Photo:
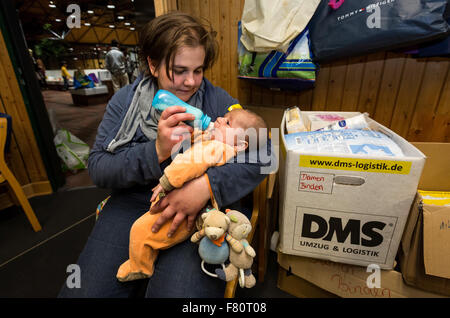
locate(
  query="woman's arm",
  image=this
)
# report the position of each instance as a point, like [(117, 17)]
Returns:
[(138, 162), (132, 164), (233, 181)]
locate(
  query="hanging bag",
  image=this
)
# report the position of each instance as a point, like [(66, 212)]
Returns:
[(272, 24), (357, 27), (439, 47), (292, 70)]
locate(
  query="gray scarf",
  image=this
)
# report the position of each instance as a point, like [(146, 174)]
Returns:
[(142, 114)]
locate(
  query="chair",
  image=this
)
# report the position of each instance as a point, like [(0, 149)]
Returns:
[(7, 176), (261, 195)]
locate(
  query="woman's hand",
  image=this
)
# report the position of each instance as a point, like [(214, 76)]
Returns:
[(186, 201), (172, 131)]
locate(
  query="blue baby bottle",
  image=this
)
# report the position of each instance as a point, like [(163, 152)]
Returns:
[(164, 99)]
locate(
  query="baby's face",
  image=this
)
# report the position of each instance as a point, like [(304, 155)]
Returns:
[(228, 128)]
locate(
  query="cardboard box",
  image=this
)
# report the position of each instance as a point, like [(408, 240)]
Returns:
[(352, 211), (300, 287), (424, 256), (343, 280)]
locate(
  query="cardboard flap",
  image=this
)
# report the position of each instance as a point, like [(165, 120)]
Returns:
[(436, 240), (411, 224), (348, 280)]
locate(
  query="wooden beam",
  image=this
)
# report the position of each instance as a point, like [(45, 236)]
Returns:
[(128, 35), (117, 35), (136, 38), (96, 35), (82, 35), (111, 31)]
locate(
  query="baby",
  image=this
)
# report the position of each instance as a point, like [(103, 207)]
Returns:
[(211, 148)]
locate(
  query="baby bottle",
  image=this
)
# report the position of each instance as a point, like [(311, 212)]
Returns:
[(164, 99)]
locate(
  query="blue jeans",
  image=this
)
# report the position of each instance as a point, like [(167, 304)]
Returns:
[(177, 269)]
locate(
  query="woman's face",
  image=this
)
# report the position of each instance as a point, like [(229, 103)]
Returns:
[(186, 72)]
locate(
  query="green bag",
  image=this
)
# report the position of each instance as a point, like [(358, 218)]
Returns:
[(73, 151)]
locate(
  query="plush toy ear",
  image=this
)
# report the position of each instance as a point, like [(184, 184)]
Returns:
[(204, 215), (227, 219)]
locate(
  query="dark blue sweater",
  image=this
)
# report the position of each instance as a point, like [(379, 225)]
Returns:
[(136, 163)]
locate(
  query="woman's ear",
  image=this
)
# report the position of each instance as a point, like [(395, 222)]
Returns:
[(152, 67)]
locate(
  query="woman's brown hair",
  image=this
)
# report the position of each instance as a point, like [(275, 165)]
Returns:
[(164, 35)]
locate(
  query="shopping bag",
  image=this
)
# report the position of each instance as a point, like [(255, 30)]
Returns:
[(272, 24), (85, 82), (73, 151), (293, 70), (93, 77), (439, 47), (365, 26)]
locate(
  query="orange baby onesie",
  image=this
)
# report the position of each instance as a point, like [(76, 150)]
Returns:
[(145, 245), (195, 161)]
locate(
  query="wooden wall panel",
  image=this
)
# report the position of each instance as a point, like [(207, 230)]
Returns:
[(410, 96), (370, 83), (390, 82), (319, 100), (164, 6), (336, 84), (214, 18), (433, 80), (407, 96), (440, 125), (224, 44), (353, 79)]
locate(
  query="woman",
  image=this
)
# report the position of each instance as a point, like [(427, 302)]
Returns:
[(132, 148)]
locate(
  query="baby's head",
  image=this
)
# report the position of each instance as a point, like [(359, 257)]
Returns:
[(235, 127)]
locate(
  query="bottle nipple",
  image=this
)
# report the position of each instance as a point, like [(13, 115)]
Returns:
[(210, 127)]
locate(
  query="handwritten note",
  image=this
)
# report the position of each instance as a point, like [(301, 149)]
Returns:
[(316, 182)]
